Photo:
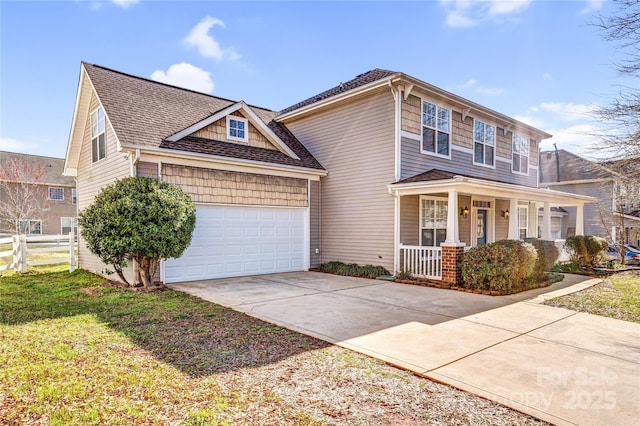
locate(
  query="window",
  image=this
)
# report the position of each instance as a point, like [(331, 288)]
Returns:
[(56, 193), (436, 129), (74, 196), (98, 141), (237, 128), (520, 162), (31, 227), (66, 223), (433, 221), (523, 221), (484, 142)]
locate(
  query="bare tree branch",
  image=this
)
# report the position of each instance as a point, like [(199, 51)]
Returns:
[(20, 194)]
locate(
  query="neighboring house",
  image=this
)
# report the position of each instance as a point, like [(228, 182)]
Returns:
[(384, 169), (38, 183), (614, 216)]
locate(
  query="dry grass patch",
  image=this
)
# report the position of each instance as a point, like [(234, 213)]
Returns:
[(74, 350), (617, 297)]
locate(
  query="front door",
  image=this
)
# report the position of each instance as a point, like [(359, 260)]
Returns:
[(481, 227)]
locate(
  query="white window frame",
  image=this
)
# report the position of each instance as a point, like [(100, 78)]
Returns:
[(56, 190), (435, 129), (484, 144), (526, 224), (73, 224), (435, 228), (515, 152), (74, 195), (244, 139), (29, 223), (98, 121)]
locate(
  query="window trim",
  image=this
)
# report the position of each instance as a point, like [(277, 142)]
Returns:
[(97, 136), (513, 136), (57, 189), (74, 224), (473, 144), (526, 226), (29, 223), (246, 129), (422, 126), (74, 196), (420, 227)]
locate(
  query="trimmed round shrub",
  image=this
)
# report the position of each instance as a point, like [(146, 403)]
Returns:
[(585, 250), (547, 256), (506, 266)]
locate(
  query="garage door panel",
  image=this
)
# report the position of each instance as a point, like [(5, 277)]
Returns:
[(239, 240)]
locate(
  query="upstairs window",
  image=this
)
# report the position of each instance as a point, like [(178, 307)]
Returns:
[(237, 129), (56, 194), (484, 142), (98, 138), (520, 163), (436, 129)]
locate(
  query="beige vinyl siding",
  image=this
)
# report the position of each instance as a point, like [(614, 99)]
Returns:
[(354, 141), (227, 187), (593, 223), (218, 131), (92, 177), (502, 224), (414, 162), (315, 209), (147, 169), (464, 225)]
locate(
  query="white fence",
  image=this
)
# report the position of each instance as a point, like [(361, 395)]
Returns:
[(422, 261), (23, 249)]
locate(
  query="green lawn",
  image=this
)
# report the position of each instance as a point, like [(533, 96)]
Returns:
[(74, 350), (617, 297)]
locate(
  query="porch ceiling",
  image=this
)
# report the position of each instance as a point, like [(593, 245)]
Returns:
[(486, 188)]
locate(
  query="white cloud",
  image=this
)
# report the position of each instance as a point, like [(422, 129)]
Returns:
[(530, 120), (125, 3), (592, 6), (489, 91), (546, 76), (187, 76), (14, 145), (568, 111), (468, 13), (579, 139), (208, 46), (469, 83)]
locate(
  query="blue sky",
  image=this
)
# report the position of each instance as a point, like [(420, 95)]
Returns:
[(538, 61)]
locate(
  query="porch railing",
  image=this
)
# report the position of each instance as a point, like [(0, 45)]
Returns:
[(422, 261)]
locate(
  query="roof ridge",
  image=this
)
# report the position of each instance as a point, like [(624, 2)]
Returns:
[(172, 86), (33, 155)]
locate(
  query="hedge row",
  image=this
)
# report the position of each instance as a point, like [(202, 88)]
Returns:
[(353, 269)]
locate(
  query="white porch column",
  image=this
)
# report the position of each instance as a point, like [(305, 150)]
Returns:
[(546, 221), (452, 218), (580, 219), (513, 220), (532, 220), (396, 233)]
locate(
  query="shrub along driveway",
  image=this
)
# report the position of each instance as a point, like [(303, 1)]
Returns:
[(558, 365)]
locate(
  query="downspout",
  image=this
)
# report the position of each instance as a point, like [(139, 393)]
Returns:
[(557, 163), (397, 97)]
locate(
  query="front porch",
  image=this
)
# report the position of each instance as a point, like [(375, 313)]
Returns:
[(438, 219)]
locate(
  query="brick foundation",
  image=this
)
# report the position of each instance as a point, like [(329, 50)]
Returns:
[(451, 272)]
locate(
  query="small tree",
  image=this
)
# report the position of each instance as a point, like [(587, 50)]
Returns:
[(138, 218), (20, 196)]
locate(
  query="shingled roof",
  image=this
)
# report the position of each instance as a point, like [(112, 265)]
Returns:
[(437, 174), (144, 113), (53, 167), (360, 80)]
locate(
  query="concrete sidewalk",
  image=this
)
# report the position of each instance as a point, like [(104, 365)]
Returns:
[(558, 365)]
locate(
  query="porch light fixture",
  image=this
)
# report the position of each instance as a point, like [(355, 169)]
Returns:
[(464, 212), (505, 214)]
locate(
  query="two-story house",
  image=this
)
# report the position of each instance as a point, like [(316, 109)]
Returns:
[(383, 169), (614, 216), (35, 198)]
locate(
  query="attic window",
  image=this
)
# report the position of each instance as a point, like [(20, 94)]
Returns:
[(237, 129)]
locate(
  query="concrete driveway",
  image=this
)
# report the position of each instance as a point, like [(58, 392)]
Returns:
[(558, 365)]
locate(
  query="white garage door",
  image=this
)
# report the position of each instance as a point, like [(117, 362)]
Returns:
[(231, 241)]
